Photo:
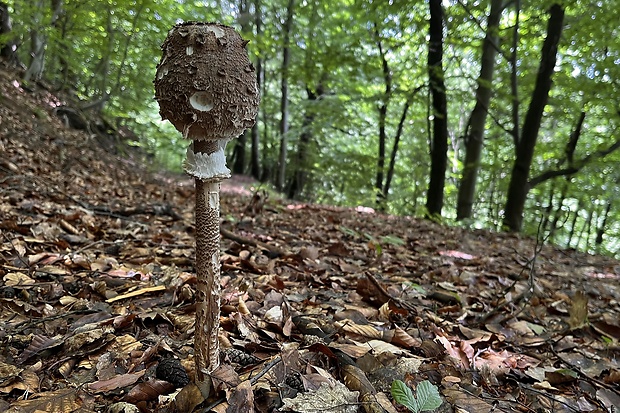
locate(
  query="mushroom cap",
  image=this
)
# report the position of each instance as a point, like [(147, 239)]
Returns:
[(205, 83)]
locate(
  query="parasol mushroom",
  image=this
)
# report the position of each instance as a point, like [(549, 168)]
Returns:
[(206, 87)]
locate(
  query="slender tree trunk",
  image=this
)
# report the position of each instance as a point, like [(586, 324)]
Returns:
[(474, 134), (238, 156), (38, 40), (439, 144), (266, 173), (383, 108), (573, 226), (546, 219), (518, 188), (381, 150), (601, 229), (255, 151), (100, 74), (300, 175), (585, 228), (558, 211), (284, 111), (392, 165), (589, 227), (64, 54), (514, 77)]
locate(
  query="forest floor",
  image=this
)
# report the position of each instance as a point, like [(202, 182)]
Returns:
[(323, 308)]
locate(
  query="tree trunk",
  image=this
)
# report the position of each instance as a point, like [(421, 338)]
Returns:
[(38, 41), (238, 156), (601, 229), (100, 93), (66, 81), (385, 101), (518, 187), (546, 219), (392, 165), (300, 175), (439, 144), (573, 226), (514, 89), (589, 228), (255, 150), (474, 134), (7, 50), (558, 211), (284, 111)]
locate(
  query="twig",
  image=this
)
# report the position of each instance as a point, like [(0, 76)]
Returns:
[(527, 294)]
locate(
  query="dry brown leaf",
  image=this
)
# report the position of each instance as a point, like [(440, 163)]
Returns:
[(59, 401), (188, 398), (148, 390), (240, 398), (401, 338), (367, 331), (122, 380), (466, 401)]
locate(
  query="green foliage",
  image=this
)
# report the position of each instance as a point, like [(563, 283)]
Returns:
[(107, 50), (428, 397)]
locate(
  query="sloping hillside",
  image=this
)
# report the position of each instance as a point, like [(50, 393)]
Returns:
[(97, 288)]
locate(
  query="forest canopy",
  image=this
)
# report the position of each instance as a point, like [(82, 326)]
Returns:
[(490, 114)]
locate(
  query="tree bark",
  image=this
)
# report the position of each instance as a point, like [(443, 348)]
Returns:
[(439, 144), (474, 134), (284, 111), (518, 187)]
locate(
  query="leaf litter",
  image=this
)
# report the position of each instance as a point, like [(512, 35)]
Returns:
[(323, 308)]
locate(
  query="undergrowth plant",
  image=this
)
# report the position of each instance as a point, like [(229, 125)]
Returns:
[(426, 398)]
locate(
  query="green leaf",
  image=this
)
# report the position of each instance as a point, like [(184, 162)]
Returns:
[(348, 231), (428, 396), (403, 395)]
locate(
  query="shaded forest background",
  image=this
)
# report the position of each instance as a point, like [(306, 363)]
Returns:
[(493, 114)]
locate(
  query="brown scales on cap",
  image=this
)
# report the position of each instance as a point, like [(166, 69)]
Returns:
[(205, 82)]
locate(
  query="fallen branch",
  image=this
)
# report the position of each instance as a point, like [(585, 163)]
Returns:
[(278, 252)]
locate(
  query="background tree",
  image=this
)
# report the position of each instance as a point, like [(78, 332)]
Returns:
[(475, 128), (518, 188), (439, 141), (339, 107), (284, 98)]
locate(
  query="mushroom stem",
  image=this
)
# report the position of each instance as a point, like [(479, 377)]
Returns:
[(208, 287)]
